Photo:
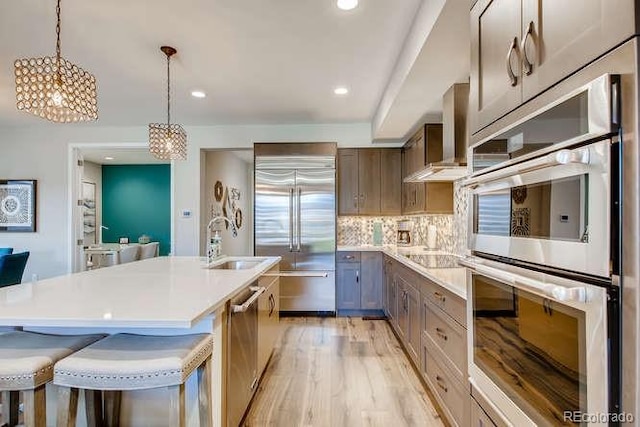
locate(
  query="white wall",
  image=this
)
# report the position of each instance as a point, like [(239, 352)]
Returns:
[(41, 152), (226, 167)]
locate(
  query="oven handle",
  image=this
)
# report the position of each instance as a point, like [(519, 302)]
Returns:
[(558, 293), (257, 291), (561, 157)]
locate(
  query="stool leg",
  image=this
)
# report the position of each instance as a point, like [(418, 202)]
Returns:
[(93, 407), (204, 392), (176, 411), (112, 401), (10, 408), (67, 406), (35, 407)]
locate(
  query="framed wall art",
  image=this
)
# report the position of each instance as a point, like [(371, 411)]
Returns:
[(18, 205)]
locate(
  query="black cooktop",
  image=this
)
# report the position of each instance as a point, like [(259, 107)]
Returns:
[(435, 261)]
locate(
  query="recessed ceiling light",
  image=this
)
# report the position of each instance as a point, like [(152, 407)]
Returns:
[(198, 94), (108, 158), (347, 4), (341, 90)]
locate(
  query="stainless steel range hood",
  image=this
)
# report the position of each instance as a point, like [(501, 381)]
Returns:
[(455, 103)]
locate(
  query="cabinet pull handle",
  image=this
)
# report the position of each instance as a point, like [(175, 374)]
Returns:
[(512, 77), (439, 296), (441, 383), (526, 64), (272, 304), (349, 257), (355, 201), (357, 276), (441, 333)]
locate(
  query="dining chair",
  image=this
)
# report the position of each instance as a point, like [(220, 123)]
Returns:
[(149, 250), (129, 254), (12, 267), (6, 251)]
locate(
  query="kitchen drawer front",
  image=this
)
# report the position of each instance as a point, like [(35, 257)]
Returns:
[(483, 404), (448, 302), (478, 417), (452, 396), (266, 281), (347, 256), (449, 337)]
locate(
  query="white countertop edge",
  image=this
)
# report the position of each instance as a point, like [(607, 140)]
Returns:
[(182, 323), (392, 251)]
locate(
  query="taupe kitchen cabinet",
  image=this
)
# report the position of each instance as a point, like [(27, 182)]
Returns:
[(359, 282), (482, 412), (371, 285), (268, 318), (348, 281), (390, 305), (369, 181), (443, 350), (424, 147), (408, 310), (519, 49)]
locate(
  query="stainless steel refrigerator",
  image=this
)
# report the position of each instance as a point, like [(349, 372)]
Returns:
[(295, 218)]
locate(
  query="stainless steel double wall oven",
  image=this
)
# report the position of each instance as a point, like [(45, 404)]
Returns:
[(544, 232)]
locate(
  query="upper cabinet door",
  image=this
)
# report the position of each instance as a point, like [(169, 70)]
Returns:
[(369, 181), (390, 181), (560, 37), (496, 85), (348, 181)]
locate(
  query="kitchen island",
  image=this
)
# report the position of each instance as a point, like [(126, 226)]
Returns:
[(156, 296)]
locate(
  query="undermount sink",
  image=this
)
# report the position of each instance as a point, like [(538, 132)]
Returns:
[(236, 265)]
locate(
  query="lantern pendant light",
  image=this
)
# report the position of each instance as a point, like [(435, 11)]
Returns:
[(168, 141), (54, 88)]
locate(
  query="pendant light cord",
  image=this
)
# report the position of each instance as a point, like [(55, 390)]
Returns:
[(168, 93), (58, 55)]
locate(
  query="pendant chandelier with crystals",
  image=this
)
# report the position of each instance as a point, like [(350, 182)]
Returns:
[(168, 141), (54, 88)]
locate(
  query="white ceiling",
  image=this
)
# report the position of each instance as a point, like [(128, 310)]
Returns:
[(258, 61)]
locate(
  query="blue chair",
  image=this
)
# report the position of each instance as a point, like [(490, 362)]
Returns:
[(6, 251), (12, 267)]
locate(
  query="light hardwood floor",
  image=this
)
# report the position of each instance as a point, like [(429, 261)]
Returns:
[(340, 372)]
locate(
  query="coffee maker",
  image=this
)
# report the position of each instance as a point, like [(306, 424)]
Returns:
[(404, 233)]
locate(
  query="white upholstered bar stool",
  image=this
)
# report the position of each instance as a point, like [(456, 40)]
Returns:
[(26, 365), (125, 362), (149, 250)]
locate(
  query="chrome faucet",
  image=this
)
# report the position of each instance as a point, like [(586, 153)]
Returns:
[(210, 253), (102, 227)]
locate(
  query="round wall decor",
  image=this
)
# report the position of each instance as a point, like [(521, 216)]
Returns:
[(218, 190), (238, 218)]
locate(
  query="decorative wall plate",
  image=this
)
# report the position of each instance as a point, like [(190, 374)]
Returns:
[(519, 194), (218, 190), (238, 218)]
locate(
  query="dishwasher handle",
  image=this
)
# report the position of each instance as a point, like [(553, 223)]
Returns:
[(257, 291)]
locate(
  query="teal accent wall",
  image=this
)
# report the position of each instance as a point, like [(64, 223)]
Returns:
[(136, 200)]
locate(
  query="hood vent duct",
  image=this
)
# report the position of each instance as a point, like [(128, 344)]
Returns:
[(455, 137)]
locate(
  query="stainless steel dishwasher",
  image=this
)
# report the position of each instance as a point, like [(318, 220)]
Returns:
[(242, 375)]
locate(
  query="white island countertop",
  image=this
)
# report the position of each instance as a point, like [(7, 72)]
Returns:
[(163, 292)]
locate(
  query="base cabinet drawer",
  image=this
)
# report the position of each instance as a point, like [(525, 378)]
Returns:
[(448, 336), (448, 302), (451, 394), (478, 417)]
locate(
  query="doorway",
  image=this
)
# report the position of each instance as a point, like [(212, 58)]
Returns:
[(118, 193)]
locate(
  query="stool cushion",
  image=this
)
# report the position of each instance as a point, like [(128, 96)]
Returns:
[(134, 362), (27, 358)]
